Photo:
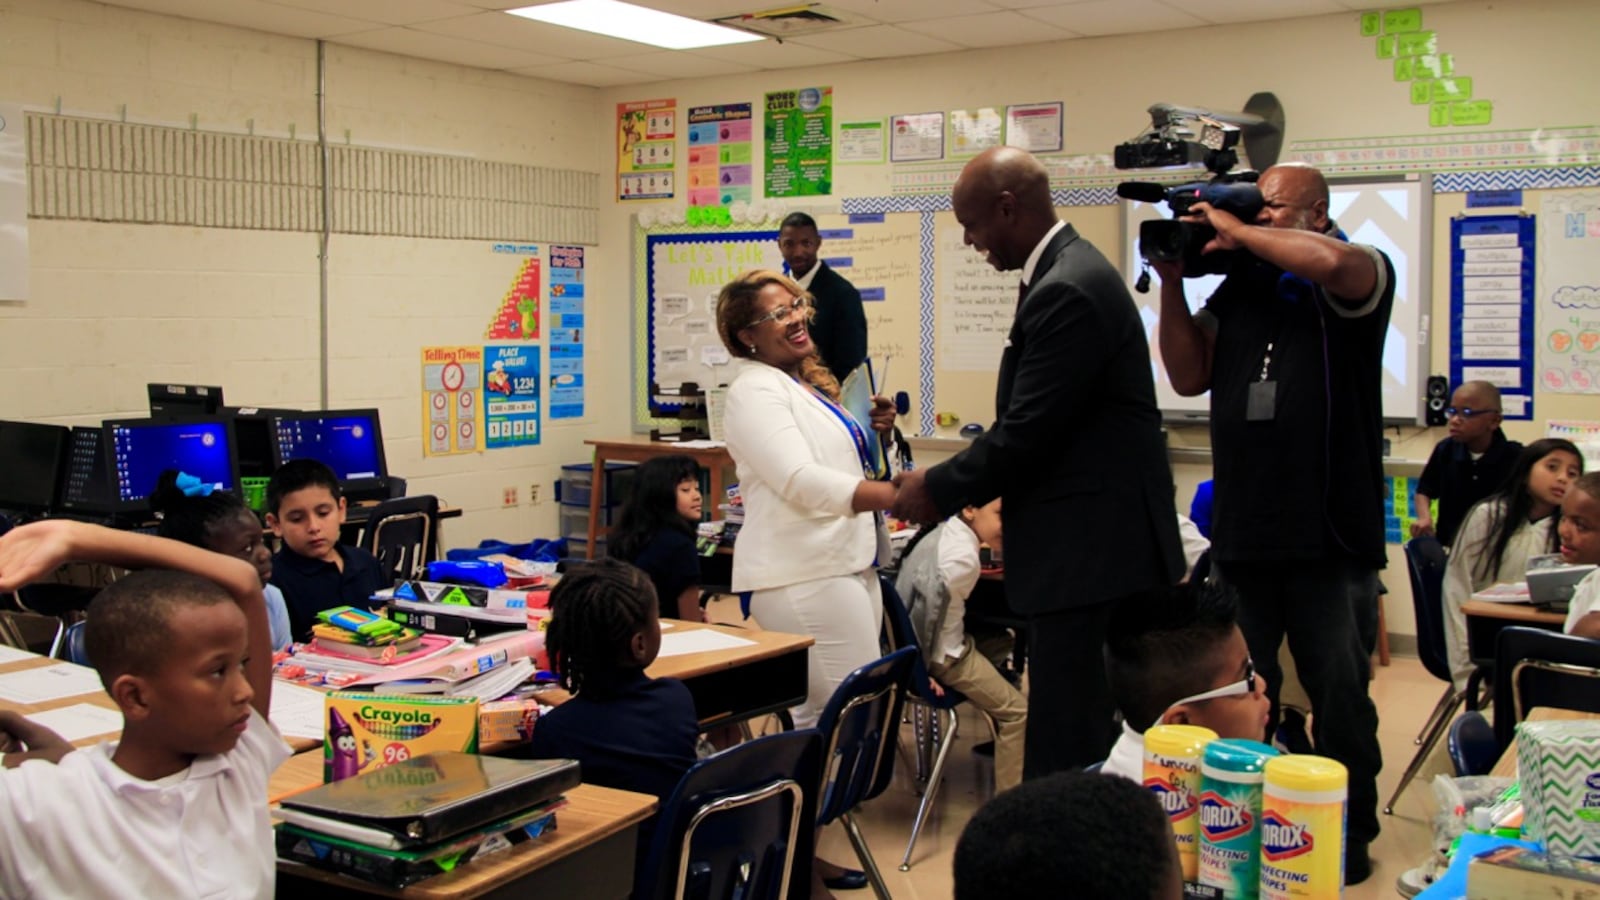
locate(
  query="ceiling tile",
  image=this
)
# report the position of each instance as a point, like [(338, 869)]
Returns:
[(409, 42), (775, 55), (1018, 4), (711, 9), (257, 15), (678, 64), (534, 37), (876, 42), (592, 74), (992, 29), (1220, 11), (1098, 17), (389, 12), (891, 11)]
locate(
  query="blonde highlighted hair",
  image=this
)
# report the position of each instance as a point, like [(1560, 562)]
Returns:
[(736, 309)]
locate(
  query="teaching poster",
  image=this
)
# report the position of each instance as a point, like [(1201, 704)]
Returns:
[(452, 378), (511, 395), (566, 332), (1568, 307), (647, 140), (517, 316), (799, 142), (1491, 307), (720, 165)]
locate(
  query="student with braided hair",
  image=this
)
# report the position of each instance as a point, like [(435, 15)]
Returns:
[(626, 729)]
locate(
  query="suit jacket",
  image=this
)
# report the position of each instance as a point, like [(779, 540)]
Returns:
[(840, 327), (1076, 449)]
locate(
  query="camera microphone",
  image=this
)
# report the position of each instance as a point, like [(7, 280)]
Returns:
[(1145, 191)]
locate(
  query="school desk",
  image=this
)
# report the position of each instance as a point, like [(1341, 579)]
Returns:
[(640, 449), (1485, 620), (1507, 765), (590, 853), (101, 699), (739, 683)]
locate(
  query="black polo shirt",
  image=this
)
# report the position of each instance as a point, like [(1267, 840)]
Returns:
[(1308, 484), (1457, 480), (673, 565), (634, 733), (312, 585)]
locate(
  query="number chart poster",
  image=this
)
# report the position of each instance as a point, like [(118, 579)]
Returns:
[(647, 138), (451, 380), (719, 154), (511, 395), (799, 137), (566, 333)]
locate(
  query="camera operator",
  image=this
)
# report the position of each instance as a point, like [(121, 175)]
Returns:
[(1291, 348)]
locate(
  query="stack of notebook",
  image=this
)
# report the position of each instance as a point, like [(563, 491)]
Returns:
[(408, 821)]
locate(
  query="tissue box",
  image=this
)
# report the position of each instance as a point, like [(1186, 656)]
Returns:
[(1558, 764), (506, 720), (369, 731)]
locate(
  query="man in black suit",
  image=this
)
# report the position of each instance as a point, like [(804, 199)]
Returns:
[(1076, 452), (839, 327)]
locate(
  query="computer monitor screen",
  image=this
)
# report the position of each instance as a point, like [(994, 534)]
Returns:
[(141, 449), (348, 441), (31, 460), (171, 401)]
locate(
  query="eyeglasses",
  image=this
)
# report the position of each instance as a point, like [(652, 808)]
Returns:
[(1246, 685), (1450, 412), (786, 313)]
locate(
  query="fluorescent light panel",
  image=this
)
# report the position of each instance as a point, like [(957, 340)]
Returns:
[(635, 23)]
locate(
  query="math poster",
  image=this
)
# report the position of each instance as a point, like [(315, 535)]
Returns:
[(799, 138), (566, 333), (647, 139), (511, 395), (720, 154), (1568, 306), (452, 378), (517, 316)]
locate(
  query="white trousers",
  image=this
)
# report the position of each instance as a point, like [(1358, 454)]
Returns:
[(842, 614)]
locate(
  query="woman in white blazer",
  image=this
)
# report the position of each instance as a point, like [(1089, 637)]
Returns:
[(812, 539)]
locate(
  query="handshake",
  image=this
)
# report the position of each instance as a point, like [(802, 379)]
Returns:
[(910, 500)]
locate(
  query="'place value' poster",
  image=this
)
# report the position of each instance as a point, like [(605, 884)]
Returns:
[(647, 139)]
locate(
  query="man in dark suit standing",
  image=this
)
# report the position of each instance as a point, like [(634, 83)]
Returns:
[(839, 327), (1075, 451)]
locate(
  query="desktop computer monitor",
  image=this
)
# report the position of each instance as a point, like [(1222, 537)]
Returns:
[(252, 438), (174, 401), (348, 441), (32, 459), (141, 449)]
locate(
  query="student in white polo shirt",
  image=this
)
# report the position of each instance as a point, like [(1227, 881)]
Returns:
[(178, 806)]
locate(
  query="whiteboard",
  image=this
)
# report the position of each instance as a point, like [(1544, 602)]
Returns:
[(1396, 216)]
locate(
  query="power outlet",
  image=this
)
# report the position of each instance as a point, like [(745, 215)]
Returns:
[(533, 493), (509, 498)]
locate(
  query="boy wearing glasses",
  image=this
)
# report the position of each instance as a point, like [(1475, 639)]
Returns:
[(1177, 657), (1468, 465)]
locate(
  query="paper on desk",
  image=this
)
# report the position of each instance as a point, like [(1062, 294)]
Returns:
[(9, 653), (1516, 592), (701, 445), (297, 710), (79, 721), (49, 683), (699, 640)]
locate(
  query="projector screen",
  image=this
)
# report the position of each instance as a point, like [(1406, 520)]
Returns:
[(1394, 215)]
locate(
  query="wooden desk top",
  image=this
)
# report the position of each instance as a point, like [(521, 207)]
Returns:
[(639, 447), (1513, 612), (1507, 765), (767, 645), (592, 814)]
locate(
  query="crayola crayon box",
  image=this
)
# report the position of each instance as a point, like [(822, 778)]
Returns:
[(367, 731)]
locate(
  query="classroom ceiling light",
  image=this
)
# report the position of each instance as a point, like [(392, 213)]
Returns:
[(613, 18)]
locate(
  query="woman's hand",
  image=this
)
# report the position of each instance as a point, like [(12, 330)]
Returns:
[(872, 496), (882, 414)]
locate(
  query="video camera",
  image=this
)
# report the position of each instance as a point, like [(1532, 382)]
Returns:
[(1163, 240)]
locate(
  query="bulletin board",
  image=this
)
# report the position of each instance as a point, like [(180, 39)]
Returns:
[(680, 270)]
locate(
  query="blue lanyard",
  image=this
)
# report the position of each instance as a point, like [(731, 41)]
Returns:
[(857, 435)]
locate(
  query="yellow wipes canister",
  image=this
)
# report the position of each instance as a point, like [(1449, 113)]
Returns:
[(1302, 828), (1172, 756)]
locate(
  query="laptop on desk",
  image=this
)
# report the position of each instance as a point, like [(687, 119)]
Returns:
[(1551, 581)]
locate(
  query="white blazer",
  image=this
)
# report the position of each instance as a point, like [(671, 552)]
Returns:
[(798, 470)]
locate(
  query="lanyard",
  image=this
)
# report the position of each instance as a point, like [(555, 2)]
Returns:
[(857, 435)]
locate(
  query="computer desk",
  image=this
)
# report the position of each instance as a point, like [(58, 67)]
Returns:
[(640, 449), (589, 854)]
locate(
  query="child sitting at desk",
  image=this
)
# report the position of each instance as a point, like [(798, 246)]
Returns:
[(626, 729), (656, 532), (315, 571), (1159, 648), (1580, 544), (220, 522), (177, 807), (1500, 533), (1467, 466), (939, 572)]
